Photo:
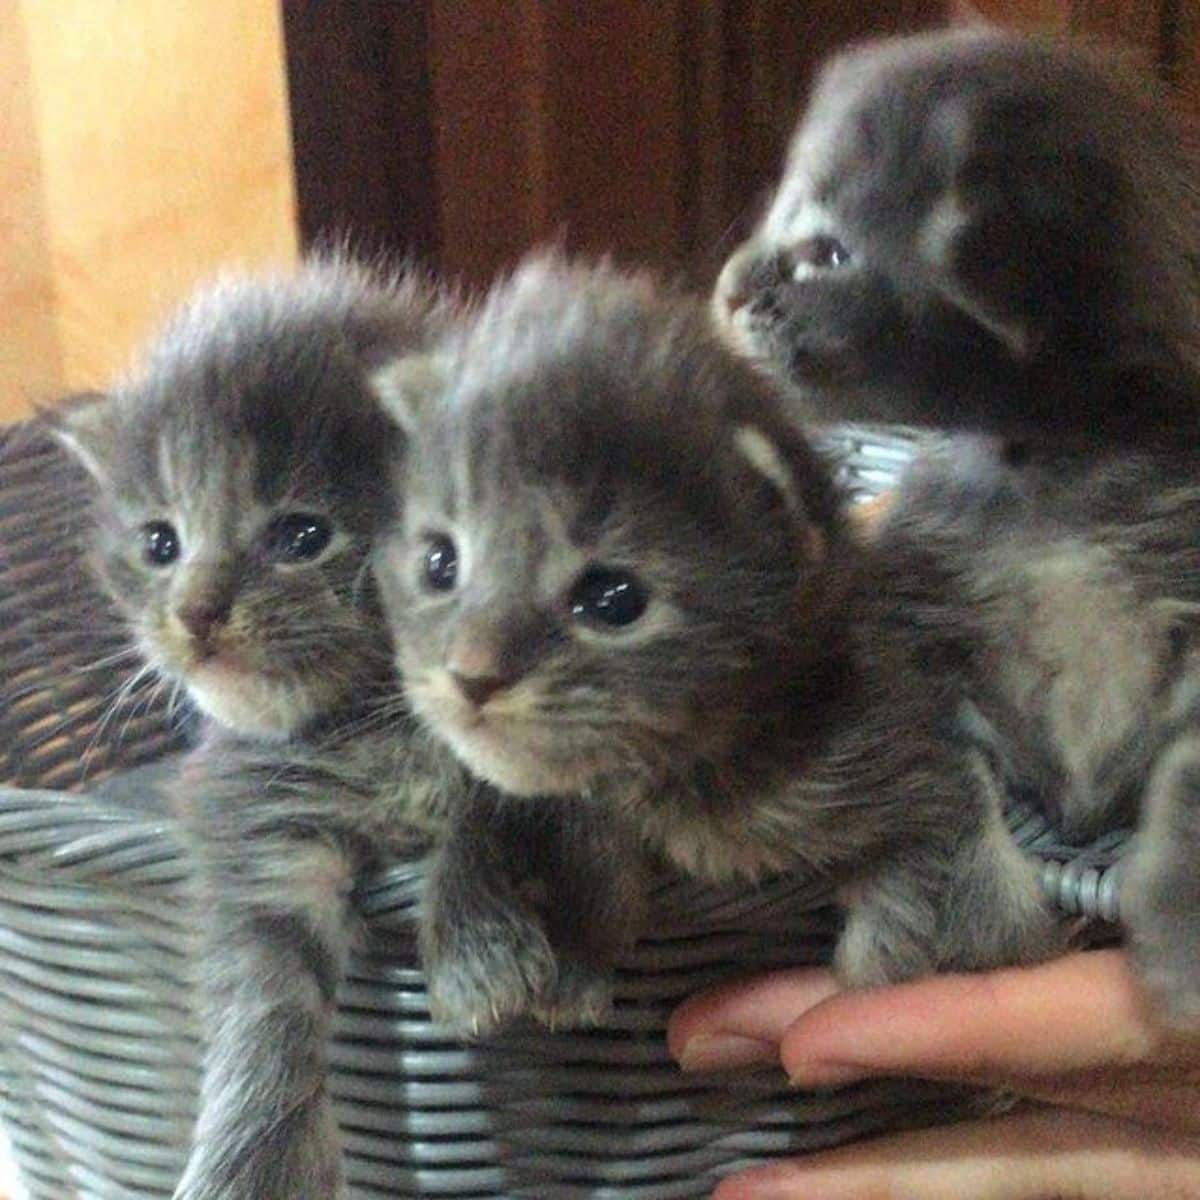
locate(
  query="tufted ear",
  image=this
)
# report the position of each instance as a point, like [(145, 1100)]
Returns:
[(404, 385), (84, 425)]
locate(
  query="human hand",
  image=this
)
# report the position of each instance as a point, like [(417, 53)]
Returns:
[(1117, 1112)]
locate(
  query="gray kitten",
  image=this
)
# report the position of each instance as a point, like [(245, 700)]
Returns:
[(240, 479), (979, 230), (620, 580), (989, 233)]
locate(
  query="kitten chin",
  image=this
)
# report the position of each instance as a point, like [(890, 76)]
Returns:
[(255, 706)]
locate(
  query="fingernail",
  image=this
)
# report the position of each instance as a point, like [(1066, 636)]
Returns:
[(826, 1075), (725, 1052)]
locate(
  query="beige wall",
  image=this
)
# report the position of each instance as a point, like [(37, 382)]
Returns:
[(143, 145)]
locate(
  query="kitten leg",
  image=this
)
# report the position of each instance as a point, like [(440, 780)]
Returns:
[(527, 905), (277, 938), (965, 900), (595, 891), (1160, 890)]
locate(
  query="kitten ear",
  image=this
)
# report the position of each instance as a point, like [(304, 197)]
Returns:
[(83, 425), (763, 455), (974, 273), (404, 384)]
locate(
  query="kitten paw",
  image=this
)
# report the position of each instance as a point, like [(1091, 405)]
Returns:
[(581, 996), (489, 976), (1160, 888), (1164, 947)]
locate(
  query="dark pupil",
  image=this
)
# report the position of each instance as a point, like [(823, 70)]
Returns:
[(441, 564), (160, 543), (609, 597), (822, 251), (299, 537)]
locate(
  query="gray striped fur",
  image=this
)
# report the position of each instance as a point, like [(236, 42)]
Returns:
[(254, 403), (1021, 228), (787, 701)]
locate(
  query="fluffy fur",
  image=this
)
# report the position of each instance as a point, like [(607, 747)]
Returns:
[(250, 411), (655, 612), (240, 479), (1022, 254), (981, 231)]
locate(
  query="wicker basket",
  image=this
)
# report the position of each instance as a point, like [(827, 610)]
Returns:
[(98, 1049)]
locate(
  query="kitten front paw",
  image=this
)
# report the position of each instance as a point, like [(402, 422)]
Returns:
[(990, 914), (1160, 887), (1163, 943), (480, 977), (581, 996)]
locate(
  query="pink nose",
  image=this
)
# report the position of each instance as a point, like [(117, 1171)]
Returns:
[(734, 288), (200, 618)]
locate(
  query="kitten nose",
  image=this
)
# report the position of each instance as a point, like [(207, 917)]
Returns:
[(479, 689), (734, 287), (488, 654), (200, 617)]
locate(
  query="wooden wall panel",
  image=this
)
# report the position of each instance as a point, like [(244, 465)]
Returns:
[(1136, 23), (615, 114), (150, 147), (1017, 14), (488, 181), (358, 75), (30, 356), (1180, 55)]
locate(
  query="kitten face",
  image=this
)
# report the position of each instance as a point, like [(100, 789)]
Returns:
[(954, 206), (602, 541), (239, 482)]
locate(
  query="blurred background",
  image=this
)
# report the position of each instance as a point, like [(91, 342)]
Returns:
[(148, 143)]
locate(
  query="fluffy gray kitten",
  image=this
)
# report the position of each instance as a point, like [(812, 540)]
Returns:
[(240, 479), (985, 231), (991, 233), (620, 581)]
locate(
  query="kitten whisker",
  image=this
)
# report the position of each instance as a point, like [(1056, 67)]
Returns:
[(125, 654), (120, 696)]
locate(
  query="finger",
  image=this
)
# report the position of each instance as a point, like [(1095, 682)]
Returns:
[(740, 1024), (1027, 1156), (1076, 1013)]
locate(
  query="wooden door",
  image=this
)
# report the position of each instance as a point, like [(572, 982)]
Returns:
[(464, 131)]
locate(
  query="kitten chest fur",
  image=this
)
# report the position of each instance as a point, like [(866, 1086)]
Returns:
[(818, 776), (1079, 666)]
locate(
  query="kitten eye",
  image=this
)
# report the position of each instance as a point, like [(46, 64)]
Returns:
[(606, 596), (820, 253), (297, 537), (441, 564), (160, 543)]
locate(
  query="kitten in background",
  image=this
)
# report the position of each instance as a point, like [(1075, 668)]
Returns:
[(620, 581), (985, 232), (989, 233), (240, 480)]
